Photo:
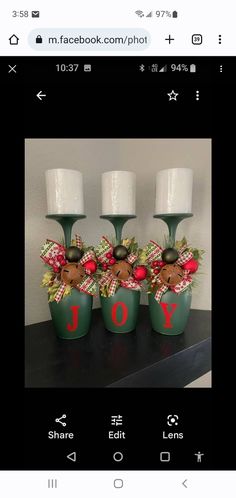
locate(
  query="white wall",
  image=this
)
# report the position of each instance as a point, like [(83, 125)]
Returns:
[(92, 157), (203, 381)]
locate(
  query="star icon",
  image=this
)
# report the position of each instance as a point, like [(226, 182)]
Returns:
[(172, 95)]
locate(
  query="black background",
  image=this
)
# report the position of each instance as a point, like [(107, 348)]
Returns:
[(116, 100)]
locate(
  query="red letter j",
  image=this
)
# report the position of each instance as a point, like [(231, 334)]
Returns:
[(75, 319)]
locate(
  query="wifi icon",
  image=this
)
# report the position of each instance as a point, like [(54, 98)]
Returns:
[(139, 13)]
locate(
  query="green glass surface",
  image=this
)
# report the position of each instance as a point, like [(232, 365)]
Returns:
[(118, 221), (66, 221), (180, 315), (62, 315), (130, 300), (172, 221)]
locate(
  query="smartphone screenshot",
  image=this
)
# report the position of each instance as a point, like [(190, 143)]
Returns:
[(118, 185)]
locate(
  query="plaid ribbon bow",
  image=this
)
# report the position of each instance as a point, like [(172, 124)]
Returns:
[(154, 253), (112, 283), (108, 279), (52, 253)]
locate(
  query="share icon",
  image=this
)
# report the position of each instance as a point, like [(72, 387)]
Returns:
[(59, 420)]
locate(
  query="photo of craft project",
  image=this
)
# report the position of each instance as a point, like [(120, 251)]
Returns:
[(140, 283)]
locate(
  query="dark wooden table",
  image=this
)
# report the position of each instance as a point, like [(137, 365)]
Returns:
[(142, 358)]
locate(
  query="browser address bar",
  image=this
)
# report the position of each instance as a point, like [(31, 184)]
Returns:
[(89, 39)]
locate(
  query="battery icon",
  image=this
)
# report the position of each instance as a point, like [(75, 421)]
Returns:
[(193, 68)]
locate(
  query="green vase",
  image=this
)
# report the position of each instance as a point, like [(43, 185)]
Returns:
[(72, 315), (120, 312), (170, 316)]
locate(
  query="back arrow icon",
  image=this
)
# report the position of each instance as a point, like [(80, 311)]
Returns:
[(184, 483), (72, 456), (40, 95)]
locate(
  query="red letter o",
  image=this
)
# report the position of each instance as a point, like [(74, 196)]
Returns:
[(124, 313)]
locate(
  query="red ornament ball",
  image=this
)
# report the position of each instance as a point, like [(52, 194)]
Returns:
[(109, 255), (112, 261), (156, 271), (140, 272), (155, 264), (105, 266), (161, 264), (90, 265), (191, 265), (56, 269)]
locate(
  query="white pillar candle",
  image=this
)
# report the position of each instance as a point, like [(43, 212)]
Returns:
[(174, 191), (118, 192), (64, 191)]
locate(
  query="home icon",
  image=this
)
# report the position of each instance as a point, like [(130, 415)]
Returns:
[(13, 40)]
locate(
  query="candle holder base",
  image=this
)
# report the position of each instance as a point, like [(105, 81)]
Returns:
[(172, 221), (118, 221), (66, 221)]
